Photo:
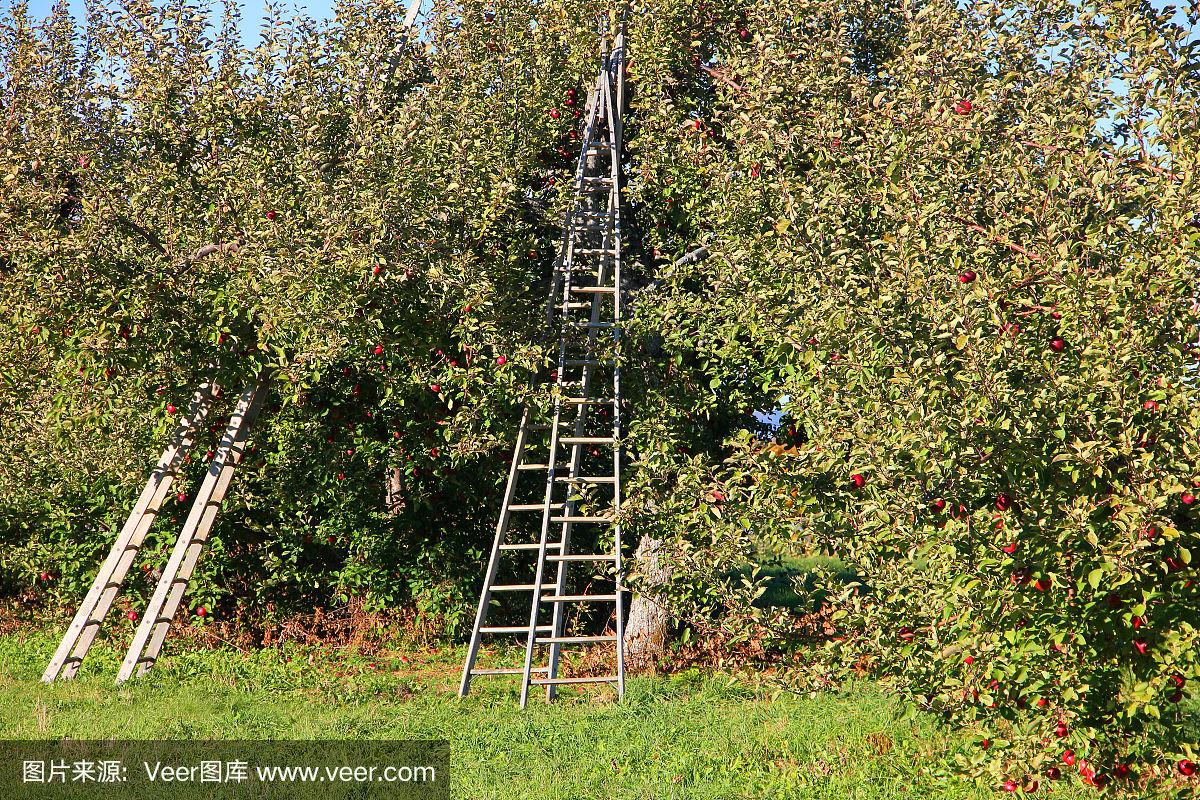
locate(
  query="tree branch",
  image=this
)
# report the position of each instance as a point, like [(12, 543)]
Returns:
[(722, 77), (143, 232), (1016, 248), (699, 254)]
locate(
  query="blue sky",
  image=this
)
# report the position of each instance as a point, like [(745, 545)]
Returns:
[(322, 9)]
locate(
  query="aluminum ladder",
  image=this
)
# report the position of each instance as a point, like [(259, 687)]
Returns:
[(564, 481)]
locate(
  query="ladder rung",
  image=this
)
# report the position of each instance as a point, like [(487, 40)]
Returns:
[(561, 681), (513, 629), (594, 251), (584, 556), (521, 587), (531, 546), (532, 506), (584, 362), (508, 671), (572, 639), (587, 479), (575, 306), (583, 401), (579, 598), (594, 325), (533, 466), (594, 289), (586, 440), (596, 180)]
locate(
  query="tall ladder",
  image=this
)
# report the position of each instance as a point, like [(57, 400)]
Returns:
[(173, 582), (559, 531)]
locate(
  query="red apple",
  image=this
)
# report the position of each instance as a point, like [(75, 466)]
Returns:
[(1187, 498), (271, 215), (1141, 645), (1042, 702), (170, 409), (341, 476), (967, 276), (1121, 770), (1053, 773), (963, 107), (1010, 548), (1185, 767), (378, 350), (1150, 405), (132, 616), (44, 577), (201, 611), (857, 480), (1057, 345), (969, 660), (1003, 502), (435, 387), (181, 497), (906, 634), (1178, 680), (1043, 584), (501, 361), (1060, 730), (376, 269), (1068, 757), (939, 505), (1009, 786), (743, 34)]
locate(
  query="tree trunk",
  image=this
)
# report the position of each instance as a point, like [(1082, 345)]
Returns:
[(648, 624), (395, 491)]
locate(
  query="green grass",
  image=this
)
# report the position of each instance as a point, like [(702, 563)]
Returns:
[(687, 736), (785, 574)]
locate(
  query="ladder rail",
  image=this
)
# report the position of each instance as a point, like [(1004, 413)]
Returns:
[(619, 622)]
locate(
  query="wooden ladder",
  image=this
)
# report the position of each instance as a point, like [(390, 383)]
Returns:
[(98, 602)]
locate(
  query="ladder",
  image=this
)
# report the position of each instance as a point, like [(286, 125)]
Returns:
[(559, 532), (173, 583)]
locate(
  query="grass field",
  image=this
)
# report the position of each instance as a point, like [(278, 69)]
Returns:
[(685, 736)]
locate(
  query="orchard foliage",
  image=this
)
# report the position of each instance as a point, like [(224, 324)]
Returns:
[(373, 223), (960, 247), (952, 247)]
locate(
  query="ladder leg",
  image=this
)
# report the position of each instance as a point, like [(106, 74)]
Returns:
[(148, 639), (95, 606), (489, 579), (617, 66), (540, 570)]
